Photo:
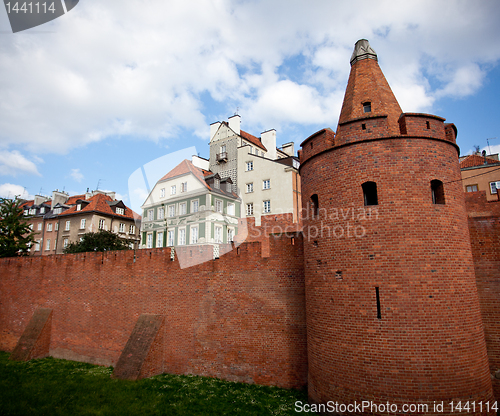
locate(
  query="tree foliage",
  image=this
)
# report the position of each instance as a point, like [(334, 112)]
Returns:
[(99, 241), (16, 236)]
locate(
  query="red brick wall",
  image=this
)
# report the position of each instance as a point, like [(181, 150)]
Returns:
[(241, 317), (429, 343), (484, 228)]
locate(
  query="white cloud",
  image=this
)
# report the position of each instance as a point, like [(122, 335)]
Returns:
[(134, 68), (76, 175), (14, 163), (9, 190)]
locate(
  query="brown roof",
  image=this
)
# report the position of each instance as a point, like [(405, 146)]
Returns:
[(252, 139), (98, 203), (72, 199), (477, 160)]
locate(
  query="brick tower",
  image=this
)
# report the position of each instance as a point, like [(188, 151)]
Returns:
[(392, 306)]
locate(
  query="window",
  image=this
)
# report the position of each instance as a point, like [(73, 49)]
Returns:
[(223, 148), (101, 224), (218, 205), (249, 166), (315, 205), (494, 186), (266, 184), (170, 238), (68, 226), (47, 245), (182, 236), (65, 242), (437, 191), (122, 228), (32, 211), (184, 187), (230, 209), (162, 193), (131, 229), (367, 107), (471, 188), (173, 190), (37, 245), (42, 210), (267, 207), (151, 215), (217, 183), (171, 210), (250, 209), (120, 211), (249, 188), (49, 227), (182, 209), (159, 239), (370, 193), (55, 243), (230, 234), (39, 226), (149, 240), (57, 226), (57, 210), (79, 207), (26, 212), (194, 235), (194, 205), (218, 234), (161, 213), (82, 223)]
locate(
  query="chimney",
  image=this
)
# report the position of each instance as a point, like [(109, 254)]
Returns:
[(39, 199), (213, 129), (58, 197), (235, 123), (268, 139), (288, 148)]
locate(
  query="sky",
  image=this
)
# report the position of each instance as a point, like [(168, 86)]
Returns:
[(103, 91)]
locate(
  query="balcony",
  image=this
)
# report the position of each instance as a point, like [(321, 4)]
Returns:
[(222, 157)]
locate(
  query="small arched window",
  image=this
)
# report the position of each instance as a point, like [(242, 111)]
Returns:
[(370, 193), (315, 205), (437, 191)]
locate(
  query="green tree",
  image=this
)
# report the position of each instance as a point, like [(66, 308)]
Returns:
[(100, 241), (16, 235)]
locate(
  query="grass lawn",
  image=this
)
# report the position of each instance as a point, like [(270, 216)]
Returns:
[(60, 387)]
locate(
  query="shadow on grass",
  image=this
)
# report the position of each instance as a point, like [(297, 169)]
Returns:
[(60, 387)]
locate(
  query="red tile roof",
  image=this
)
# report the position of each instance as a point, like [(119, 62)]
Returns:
[(98, 203), (252, 139), (476, 160), (72, 199)]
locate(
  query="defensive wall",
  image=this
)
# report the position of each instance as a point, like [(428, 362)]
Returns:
[(240, 317)]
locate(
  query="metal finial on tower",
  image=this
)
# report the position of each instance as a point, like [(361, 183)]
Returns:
[(363, 50)]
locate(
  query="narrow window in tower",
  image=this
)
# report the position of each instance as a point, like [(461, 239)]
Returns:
[(363, 126), (437, 191), (377, 294), (314, 205), (370, 193), (428, 125), (367, 107)]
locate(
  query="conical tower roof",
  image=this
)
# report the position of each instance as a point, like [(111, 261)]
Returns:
[(368, 93)]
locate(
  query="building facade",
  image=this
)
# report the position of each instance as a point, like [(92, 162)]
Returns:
[(481, 173)]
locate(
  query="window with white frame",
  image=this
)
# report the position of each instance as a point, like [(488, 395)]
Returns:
[(170, 238), (120, 211), (184, 187), (39, 226), (230, 209), (101, 224), (78, 207), (131, 229), (122, 227), (32, 211), (218, 234), (151, 215), (230, 234), (249, 187), (267, 206), (26, 212), (250, 208), (161, 213), (162, 193), (218, 205), (57, 210), (37, 245), (55, 243), (173, 190), (217, 183), (149, 240), (182, 209), (49, 227), (171, 210), (68, 226), (494, 186), (182, 236), (65, 242), (47, 244), (194, 234), (159, 239), (57, 226), (195, 205), (42, 210), (249, 166), (83, 222), (266, 184), (471, 188)]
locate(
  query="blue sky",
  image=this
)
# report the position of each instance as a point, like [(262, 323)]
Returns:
[(93, 96)]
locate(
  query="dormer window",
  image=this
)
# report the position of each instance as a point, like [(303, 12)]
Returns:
[(120, 211), (367, 107), (42, 210), (57, 210), (79, 207), (217, 183)]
